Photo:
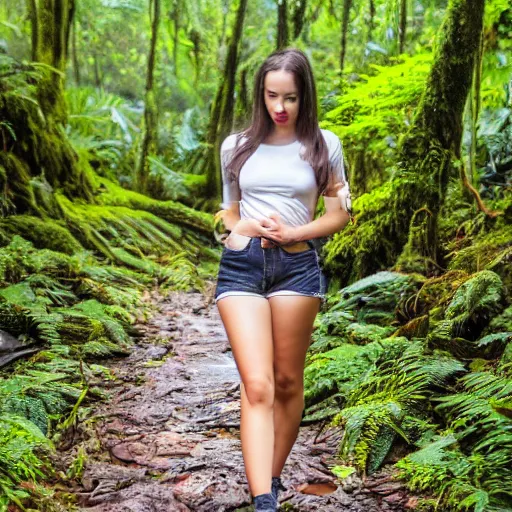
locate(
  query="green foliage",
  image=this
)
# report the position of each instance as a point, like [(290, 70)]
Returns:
[(338, 371), (20, 439), (387, 389), (376, 407), (37, 396), (34, 146), (468, 313), (170, 211), (372, 300), (468, 466), (165, 183), (342, 472), (370, 117), (106, 129), (485, 248)]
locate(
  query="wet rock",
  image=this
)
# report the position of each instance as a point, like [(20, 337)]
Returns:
[(156, 352), (387, 488), (95, 473), (129, 452), (140, 497), (212, 493), (395, 498), (8, 342), (13, 356), (11, 349), (155, 451)]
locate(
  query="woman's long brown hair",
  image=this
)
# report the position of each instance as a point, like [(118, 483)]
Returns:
[(308, 131)]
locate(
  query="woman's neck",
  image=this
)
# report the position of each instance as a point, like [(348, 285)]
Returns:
[(280, 136)]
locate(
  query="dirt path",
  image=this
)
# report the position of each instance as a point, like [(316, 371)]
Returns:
[(169, 438)]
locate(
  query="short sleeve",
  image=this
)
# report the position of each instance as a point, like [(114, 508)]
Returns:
[(230, 189), (338, 172), (336, 158)]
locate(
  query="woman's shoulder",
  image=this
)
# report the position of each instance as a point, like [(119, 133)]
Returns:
[(231, 141), (330, 138)]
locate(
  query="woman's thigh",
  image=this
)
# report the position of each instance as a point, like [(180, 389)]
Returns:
[(247, 321), (292, 325)]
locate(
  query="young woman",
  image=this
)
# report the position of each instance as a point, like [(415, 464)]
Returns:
[(270, 285)]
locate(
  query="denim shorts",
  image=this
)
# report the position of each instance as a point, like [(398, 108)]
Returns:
[(269, 272)]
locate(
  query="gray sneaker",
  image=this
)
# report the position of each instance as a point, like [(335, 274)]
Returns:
[(265, 503), (277, 485)]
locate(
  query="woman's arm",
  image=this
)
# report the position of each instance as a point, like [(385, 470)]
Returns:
[(332, 221), (230, 216)]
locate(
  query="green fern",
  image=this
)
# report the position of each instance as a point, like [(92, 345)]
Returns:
[(36, 395), (376, 406), (474, 460)]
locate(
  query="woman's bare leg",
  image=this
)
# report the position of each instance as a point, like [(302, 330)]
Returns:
[(292, 325), (247, 321)]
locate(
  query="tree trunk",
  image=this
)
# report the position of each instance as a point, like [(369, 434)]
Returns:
[(67, 29), (475, 106), (176, 21), (403, 26), (371, 22), (244, 93), (97, 74), (470, 179), (242, 107), (76, 64), (35, 27), (51, 25), (222, 35), (424, 165), (195, 37), (227, 111), (298, 17), (282, 24), (347, 4), (149, 136), (41, 157), (221, 119)]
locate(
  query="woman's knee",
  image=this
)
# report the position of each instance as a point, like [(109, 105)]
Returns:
[(259, 390), (288, 386)]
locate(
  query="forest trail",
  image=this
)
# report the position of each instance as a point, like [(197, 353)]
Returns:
[(169, 438)]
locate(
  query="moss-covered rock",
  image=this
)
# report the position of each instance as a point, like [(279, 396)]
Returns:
[(43, 233), (415, 328), (171, 211), (434, 294), (362, 334), (492, 250)]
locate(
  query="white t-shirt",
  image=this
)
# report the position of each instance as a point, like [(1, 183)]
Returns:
[(275, 179)]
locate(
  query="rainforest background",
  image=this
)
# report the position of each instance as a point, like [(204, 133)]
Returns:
[(111, 117)]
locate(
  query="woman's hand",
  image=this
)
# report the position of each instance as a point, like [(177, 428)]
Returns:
[(269, 229), (254, 228), (249, 227), (276, 230)]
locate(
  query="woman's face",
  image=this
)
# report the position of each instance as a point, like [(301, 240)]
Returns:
[(281, 98)]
